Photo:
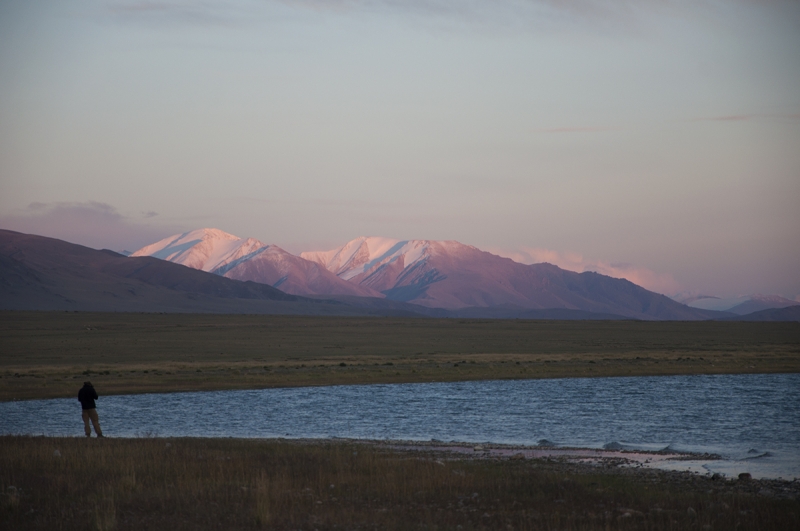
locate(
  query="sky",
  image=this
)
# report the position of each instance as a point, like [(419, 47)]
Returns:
[(656, 140)]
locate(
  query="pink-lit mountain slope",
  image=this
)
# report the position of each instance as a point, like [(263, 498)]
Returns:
[(448, 274), (204, 249), (224, 254), (38, 273), (45, 274)]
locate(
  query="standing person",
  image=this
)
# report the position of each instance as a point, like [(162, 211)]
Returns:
[(87, 395)]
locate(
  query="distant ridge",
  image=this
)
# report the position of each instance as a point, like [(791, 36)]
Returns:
[(741, 305), (790, 313), (756, 303), (560, 314)]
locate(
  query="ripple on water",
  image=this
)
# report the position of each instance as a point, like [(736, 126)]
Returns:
[(720, 414)]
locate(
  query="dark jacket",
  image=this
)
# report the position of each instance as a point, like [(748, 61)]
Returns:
[(87, 395)]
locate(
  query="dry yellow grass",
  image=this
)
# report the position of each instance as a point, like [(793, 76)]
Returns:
[(48, 354), (175, 484)]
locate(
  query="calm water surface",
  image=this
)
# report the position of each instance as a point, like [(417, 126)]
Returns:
[(752, 420)]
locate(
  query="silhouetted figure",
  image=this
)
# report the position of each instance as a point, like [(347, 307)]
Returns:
[(87, 395)]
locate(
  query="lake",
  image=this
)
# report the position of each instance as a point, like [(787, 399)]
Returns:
[(752, 421)]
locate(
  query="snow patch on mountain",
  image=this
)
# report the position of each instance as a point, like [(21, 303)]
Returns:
[(355, 256), (205, 249), (224, 254), (437, 274), (367, 254)]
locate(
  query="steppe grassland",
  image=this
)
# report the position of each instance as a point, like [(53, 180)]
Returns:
[(174, 484), (49, 354)]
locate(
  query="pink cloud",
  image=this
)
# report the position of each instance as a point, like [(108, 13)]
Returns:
[(647, 278), (91, 223)]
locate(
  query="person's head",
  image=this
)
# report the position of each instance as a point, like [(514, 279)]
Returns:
[(87, 384)]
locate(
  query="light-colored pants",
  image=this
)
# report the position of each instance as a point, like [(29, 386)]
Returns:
[(91, 414)]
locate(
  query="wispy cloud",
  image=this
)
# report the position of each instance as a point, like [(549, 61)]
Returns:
[(584, 7), (201, 13), (519, 13), (90, 223), (141, 7), (647, 278), (580, 129)]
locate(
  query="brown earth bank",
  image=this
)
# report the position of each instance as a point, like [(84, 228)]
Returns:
[(184, 483), (50, 354)]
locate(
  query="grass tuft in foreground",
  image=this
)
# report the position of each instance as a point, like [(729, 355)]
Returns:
[(173, 484)]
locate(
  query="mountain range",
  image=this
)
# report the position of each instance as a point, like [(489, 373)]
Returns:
[(211, 271), (434, 274), (46, 274), (218, 252)]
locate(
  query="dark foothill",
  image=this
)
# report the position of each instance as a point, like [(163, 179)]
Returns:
[(745, 476)]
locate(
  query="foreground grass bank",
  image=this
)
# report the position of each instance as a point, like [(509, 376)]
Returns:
[(174, 484), (49, 354)]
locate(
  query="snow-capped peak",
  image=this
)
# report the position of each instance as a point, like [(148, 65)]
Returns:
[(206, 249), (366, 253), (352, 256)]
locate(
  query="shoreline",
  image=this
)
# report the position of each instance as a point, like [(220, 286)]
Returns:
[(198, 483), (658, 446), (623, 457), (626, 461), (595, 460), (127, 389), (666, 460)]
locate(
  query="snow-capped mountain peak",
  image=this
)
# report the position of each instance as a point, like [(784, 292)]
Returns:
[(365, 254), (206, 249), (224, 254), (356, 256)]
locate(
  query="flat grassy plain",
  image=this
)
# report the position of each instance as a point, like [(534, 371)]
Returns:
[(49, 354), (176, 484)]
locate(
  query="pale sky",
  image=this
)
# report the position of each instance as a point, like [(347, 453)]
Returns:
[(655, 139)]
